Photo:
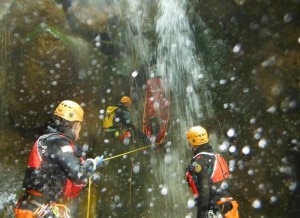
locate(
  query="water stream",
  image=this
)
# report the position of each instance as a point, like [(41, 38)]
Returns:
[(177, 62)]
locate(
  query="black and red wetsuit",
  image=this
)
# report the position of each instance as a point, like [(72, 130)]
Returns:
[(55, 170), (198, 176)]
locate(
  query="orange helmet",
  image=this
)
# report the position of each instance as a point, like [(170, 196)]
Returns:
[(196, 136), (69, 110), (126, 100)]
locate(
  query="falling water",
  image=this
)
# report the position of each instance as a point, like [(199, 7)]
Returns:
[(177, 61), (181, 68)]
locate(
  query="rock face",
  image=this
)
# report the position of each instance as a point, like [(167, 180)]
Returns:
[(23, 17), (43, 62), (40, 58), (263, 89), (263, 35), (46, 69)]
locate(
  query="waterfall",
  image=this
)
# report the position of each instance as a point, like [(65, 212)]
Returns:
[(178, 63), (177, 60)]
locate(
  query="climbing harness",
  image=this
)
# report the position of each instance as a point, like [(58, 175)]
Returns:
[(211, 214), (58, 210)]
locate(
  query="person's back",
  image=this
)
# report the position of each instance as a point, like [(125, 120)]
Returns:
[(205, 175), (56, 171), (123, 117), (51, 157), (117, 120)]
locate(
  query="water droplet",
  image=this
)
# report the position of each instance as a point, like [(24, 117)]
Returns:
[(231, 132), (164, 191), (236, 48), (257, 204), (134, 74)]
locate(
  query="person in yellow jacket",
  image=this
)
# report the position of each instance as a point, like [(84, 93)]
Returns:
[(204, 176), (117, 121)]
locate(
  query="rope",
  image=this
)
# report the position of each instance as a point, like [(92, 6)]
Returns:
[(119, 155), (109, 158), (89, 198)]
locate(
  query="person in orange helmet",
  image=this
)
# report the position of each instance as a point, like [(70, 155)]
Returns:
[(56, 170), (204, 176), (117, 121)]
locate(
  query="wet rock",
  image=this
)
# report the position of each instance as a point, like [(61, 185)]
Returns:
[(24, 15), (46, 70), (92, 23)]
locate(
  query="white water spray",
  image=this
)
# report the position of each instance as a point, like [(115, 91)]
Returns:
[(180, 66), (177, 62)]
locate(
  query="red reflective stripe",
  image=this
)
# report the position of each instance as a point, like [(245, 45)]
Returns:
[(34, 193), (35, 158)]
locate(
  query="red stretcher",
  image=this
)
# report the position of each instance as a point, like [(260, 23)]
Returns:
[(156, 110)]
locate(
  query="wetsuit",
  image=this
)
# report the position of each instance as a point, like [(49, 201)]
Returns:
[(198, 175), (118, 121), (55, 172), (123, 119), (122, 116)]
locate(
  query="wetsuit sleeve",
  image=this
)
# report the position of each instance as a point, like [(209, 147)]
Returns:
[(62, 153), (203, 182)]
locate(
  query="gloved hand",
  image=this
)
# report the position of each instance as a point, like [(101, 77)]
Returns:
[(95, 162)]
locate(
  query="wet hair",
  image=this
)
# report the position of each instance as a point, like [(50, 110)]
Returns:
[(58, 121), (61, 123), (64, 126)]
